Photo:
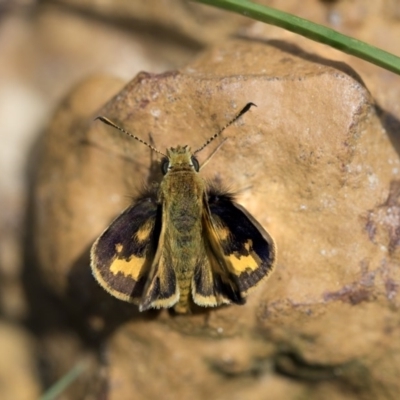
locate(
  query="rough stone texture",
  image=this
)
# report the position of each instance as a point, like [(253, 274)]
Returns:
[(46, 47), (312, 163)]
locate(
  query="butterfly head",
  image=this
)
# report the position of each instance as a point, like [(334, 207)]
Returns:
[(179, 158)]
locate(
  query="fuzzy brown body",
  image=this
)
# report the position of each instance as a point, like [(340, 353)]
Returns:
[(181, 193)]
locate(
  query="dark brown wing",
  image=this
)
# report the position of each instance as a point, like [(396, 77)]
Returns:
[(122, 256), (240, 253)]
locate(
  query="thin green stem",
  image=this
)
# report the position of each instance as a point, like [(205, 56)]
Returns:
[(310, 30), (59, 387)]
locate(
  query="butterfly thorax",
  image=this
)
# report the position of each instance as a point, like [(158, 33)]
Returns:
[(182, 191), (181, 194)]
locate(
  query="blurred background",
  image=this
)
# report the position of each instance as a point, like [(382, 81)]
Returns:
[(47, 47)]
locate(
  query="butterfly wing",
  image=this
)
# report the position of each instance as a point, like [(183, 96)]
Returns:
[(212, 284), (122, 256), (161, 290), (240, 253)]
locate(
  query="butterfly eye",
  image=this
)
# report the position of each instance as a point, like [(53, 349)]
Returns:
[(195, 163), (164, 165)]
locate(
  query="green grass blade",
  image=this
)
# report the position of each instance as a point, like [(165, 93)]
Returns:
[(310, 30), (55, 390)]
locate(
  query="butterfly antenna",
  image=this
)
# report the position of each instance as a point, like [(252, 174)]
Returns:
[(109, 122), (243, 111), (212, 154)]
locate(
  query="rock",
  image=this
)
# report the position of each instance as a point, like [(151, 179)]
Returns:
[(315, 166), (17, 364)]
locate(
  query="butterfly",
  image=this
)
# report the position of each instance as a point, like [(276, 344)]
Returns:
[(182, 242)]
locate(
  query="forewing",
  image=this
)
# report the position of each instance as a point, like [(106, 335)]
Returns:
[(122, 256), (248, 249)]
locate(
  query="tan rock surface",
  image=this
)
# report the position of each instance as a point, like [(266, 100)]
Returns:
[(312, 163), (17, 364), (45, 48)]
